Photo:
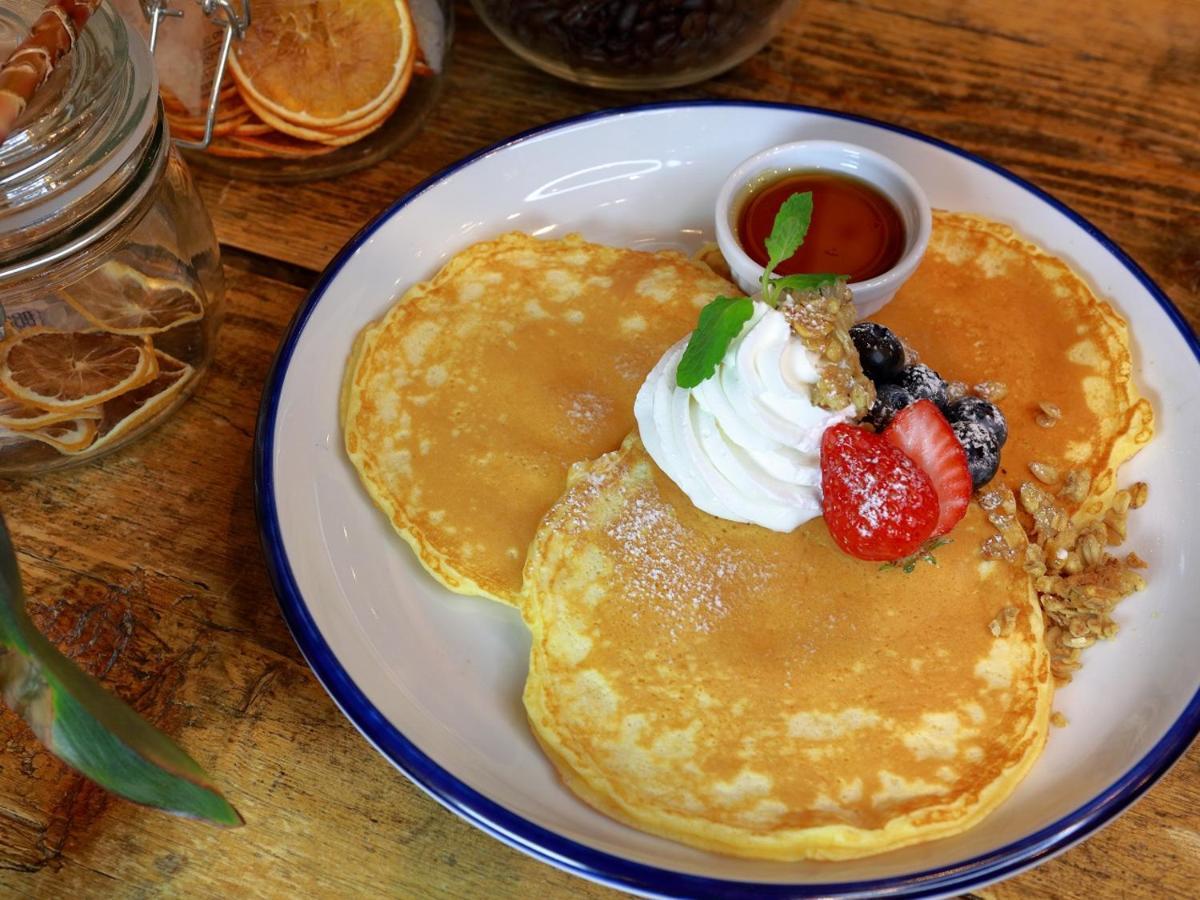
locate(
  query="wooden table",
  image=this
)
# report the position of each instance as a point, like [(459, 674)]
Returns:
[(146, 567)]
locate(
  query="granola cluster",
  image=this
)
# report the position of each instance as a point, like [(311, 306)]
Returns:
[(1077, 580), (821, 319)]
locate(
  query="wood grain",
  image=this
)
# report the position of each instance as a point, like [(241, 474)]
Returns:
[(1103, 116), (158, 587), (146, 566)]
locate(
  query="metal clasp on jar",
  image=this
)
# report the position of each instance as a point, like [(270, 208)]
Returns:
[(233, 25)]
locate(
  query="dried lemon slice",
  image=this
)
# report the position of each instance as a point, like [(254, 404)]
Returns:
[(326, 63), (123, 414), (69, 436), (18, 416), (125, 300), (72, 370)]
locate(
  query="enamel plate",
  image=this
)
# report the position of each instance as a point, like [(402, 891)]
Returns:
[(433, 679)]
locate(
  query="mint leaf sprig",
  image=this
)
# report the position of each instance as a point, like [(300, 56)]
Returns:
[(787, 235), (722, 319)]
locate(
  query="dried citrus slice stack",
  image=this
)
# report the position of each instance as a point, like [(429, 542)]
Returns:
[(232, 113), (97, 376), (312, 77), (121, 415), (73, 370)]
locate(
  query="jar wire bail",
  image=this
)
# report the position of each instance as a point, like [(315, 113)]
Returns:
[(233, 24)]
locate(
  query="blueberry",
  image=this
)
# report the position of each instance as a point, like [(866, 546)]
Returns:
[(889, 400), (973, 409), (924, 384), (879, 351), (983, 450)]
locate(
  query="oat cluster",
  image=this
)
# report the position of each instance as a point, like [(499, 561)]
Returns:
[(1048, 415), (1077, 580), (821, 319)]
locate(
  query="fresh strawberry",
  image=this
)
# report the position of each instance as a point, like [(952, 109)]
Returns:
[(923, 433), (878, 503)]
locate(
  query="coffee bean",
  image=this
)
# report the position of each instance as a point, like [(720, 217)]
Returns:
[(632, 37)]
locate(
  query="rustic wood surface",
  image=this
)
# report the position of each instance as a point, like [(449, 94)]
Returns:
[(146, 566)]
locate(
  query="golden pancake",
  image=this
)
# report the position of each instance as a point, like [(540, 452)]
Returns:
[(764, 694), (465, 405), (986, 305)]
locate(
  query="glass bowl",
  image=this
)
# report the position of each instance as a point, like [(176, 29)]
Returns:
[(634, 44), (246, 141)]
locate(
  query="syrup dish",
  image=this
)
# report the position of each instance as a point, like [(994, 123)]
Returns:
[(405, 651), (895, 191)]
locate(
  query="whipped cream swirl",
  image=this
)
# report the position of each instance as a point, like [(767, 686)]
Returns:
[(744, 444)]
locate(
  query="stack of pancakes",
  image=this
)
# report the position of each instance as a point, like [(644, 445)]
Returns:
[(741, 690)]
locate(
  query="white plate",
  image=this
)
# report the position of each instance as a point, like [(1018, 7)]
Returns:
[(434, 680)]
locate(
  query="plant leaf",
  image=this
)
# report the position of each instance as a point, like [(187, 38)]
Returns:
[(88, 728), (924, 552), (790, 227), (721, 321)]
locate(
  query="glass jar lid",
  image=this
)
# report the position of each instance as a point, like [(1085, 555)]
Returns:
[(77, 152)]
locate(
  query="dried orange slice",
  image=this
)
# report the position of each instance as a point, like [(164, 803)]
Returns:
[(68, 436), (253, 128), (336, 135), (123, 414), (123, 299), (230, 114), (325, 63), (175, 106), (172, 103), (18, 416), (72, 370), (282, 145), (193, 129), (226, 148)]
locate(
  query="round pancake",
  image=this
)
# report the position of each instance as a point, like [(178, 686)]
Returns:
[(764, 694), (986, 305), (464, 406)]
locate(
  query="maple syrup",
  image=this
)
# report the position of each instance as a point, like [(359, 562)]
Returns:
[(855, 230)]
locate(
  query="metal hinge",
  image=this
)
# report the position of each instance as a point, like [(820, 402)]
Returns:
[(233, 24)]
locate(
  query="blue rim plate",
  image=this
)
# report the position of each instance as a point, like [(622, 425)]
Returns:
[(571, 855)]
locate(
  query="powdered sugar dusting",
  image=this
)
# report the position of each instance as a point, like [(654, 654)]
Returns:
[(872, 504), (879, 499), (576, 505), (673, 572), (658, 567), (587, 409), (666, 575), (976, 437), (870, 486)]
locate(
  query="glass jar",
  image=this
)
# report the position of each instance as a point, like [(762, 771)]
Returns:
[(635, 44), (110, 279), (280, 90)]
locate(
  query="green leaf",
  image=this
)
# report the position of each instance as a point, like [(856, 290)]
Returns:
[(720, 322), (788, 231), (804, 282), (86, 727), (924, 553)]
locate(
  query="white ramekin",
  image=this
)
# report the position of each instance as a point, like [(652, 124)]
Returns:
[(829, 156)]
